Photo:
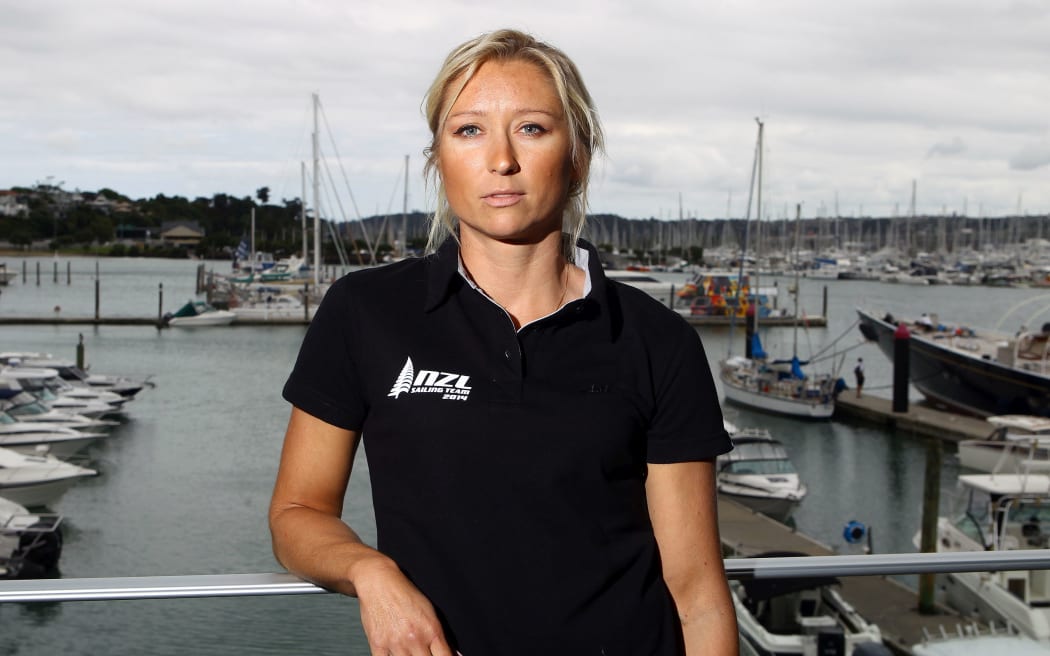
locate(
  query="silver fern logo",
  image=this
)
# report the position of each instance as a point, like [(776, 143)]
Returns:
[(452, 387), (404, 380)]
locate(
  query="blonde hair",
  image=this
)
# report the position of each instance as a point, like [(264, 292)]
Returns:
[(582, 118)]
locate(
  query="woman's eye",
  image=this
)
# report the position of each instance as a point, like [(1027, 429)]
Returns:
[(468, 131), (533, 129)]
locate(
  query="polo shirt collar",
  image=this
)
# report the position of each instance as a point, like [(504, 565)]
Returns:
[(444, 276)]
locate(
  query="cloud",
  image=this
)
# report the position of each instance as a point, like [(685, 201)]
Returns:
[(1031, 157), (954, 147)]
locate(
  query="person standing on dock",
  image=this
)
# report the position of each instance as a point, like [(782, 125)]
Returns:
[(858, 372), (540, 440)]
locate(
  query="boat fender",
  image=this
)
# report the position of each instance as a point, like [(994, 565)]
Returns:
[(853, 532)]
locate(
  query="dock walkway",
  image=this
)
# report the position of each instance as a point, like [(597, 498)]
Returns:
[(920, 419), (881, 600)]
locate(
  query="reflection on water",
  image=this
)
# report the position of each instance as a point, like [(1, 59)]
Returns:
[(186, 479)]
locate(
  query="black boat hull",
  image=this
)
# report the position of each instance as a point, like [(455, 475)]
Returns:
[(963, 382)]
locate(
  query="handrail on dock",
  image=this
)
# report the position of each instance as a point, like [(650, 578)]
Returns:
[(271, 584)]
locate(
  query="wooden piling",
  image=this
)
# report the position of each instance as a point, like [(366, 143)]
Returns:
[(901, 357), (24, 276), (54, 272), (160, 304), (80, 351), (306, 301), (38, 273), (69, 273), (96, 291), (931, 506)]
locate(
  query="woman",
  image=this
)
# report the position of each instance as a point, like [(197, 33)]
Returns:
[(540, 440)]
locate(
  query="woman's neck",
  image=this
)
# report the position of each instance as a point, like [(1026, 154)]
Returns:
[(529, 281)]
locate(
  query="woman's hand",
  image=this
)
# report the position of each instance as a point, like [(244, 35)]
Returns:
[(398, 619)]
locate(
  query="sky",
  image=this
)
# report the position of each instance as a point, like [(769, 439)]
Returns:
[(859, 99)]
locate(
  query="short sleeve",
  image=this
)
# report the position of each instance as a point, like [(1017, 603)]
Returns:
[(687, 421), (324, 382)]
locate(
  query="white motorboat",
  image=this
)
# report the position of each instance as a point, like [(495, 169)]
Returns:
[(68, 371), (46, 386), (25, 407), (661, 290), (1019, 444), (34, 437), (1000, 512), (273, 307), (199, 314), (971, 640), (30, 543), (759, 474), (801, 617), (37, 480)]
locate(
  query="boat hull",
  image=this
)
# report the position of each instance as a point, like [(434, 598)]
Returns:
[(961, 381), (778, 508), (32, 495), (792, 407)]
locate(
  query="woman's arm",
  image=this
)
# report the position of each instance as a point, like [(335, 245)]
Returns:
[(311, 541), (684, 514)]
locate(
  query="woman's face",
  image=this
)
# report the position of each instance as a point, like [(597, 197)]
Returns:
[(504, 154)]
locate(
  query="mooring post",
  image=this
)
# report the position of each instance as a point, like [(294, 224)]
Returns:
[(901, 355), (670, 299), (80, 351), (824, 311), (24, 276), (54, 272), (931, 503), (749, 332), (69, 273), (38, 273), (96, 290), (306, 302), (160, 304)]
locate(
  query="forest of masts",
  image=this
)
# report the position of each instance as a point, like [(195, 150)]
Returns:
[(944, 235)]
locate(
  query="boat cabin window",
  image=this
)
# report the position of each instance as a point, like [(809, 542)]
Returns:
[(7, 419), (762, 467)]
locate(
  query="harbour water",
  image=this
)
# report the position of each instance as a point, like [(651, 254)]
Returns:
[(185, 479)]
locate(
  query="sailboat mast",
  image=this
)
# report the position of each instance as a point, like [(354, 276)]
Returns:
[(404, 215), (302, 210), (758, 230), (798, 223), (743, 247), (317, 198), (252, 269)]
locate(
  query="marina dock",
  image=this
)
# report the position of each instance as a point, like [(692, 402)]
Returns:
[(801, 322), (920, 420), (881, 600)]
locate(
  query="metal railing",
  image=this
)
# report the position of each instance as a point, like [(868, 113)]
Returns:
[(246, 585)]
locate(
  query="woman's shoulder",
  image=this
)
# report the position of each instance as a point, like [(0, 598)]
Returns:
[(383, 283), (643, 314)]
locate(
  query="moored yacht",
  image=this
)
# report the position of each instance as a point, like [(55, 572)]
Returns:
[(33, 437), (30, 543), (759, 474), (1000, 512), (801, 617), (37, 480)]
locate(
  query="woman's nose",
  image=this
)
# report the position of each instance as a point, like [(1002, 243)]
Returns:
[(502, 159)]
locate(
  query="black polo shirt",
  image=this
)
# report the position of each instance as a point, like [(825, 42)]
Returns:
[(508, 466)]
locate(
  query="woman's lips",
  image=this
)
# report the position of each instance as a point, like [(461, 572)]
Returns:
[(502, 198)]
